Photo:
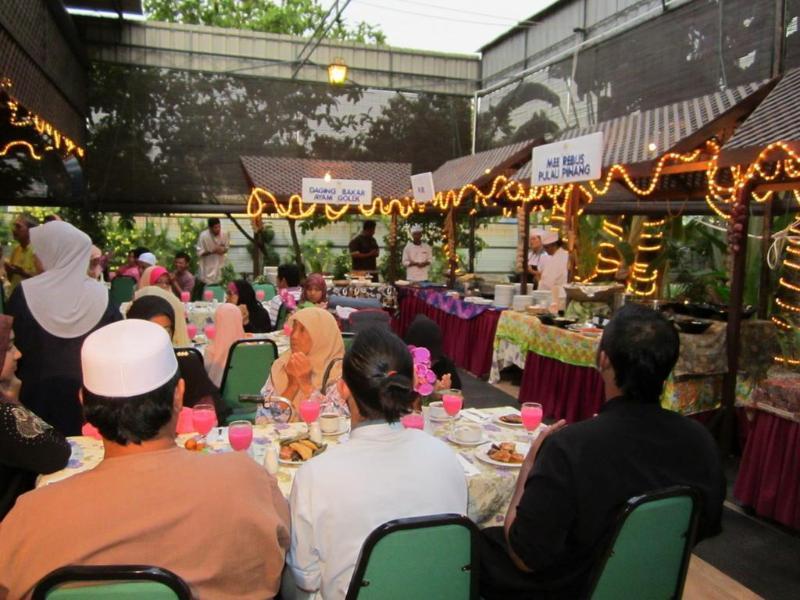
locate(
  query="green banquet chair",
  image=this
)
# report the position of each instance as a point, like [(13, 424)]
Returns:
[(269, 290), (112, 582), (649, 551), (246, 371), (348, 337), (217, 290), (280, 320), (122, 289), (440, 551)]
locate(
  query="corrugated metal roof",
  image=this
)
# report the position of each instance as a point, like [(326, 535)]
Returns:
[(458, 172), (775, 119), (284, 176), (626, 140)]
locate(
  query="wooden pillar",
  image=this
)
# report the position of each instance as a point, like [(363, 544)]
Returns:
[(472, 225), (726, 435), (393, 248), (526, 241), (450, 231), (572, 231), (764, 275)]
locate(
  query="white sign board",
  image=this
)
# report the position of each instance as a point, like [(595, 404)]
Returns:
[(578, 159), (337, 191), (422, 186)]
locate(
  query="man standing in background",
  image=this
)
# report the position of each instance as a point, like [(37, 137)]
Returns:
[(364, 250), (23, 263), (212, 246)]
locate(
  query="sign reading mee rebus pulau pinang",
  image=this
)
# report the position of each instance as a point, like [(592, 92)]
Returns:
[(422, 186), (578, 159), (337, 191)]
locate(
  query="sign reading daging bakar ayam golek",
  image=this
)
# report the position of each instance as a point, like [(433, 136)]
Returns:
[(337, 191), (578, 159)]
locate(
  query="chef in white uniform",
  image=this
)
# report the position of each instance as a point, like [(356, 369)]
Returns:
[(417, 256), (553, 273)]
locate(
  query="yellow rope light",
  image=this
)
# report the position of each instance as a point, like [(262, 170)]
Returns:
[(24, 144)]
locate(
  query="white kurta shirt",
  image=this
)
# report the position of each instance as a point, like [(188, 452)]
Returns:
[(554, 270), (418, 254), (210, 266), (537, 259), (383, 472)]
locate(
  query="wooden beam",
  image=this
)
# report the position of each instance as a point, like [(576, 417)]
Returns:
[(733, 333), (523, 289), (694, 167), (786, 186), (764, 275)]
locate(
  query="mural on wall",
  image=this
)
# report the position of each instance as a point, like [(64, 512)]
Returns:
[(171, 136), (689, 51)]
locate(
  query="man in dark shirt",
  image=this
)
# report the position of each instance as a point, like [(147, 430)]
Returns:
[(576, 479), (364, 249)]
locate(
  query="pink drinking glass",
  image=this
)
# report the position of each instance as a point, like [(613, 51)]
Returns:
[(309, 411), (260, 295), (185, 297), (210, 331), (452, 402), (191, 330), (208, 295), (240, 434), (531, 415), (204, 418), (414, 420)]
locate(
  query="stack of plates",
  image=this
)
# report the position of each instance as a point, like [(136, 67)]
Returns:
[(521, 301), (503, 294)]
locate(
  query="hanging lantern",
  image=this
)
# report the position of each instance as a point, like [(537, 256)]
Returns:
[(337, 72)]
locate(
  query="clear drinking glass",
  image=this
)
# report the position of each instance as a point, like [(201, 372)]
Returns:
[(531, 414)]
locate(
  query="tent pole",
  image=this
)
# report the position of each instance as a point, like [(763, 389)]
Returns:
[(764, 276), (526, 209), (393, 249)]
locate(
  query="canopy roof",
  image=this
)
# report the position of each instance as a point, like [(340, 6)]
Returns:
[(627, 140), (283, 177), (483, 167), (775, 119)]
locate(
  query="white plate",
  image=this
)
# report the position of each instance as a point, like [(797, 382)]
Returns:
[(481, 454), (504, 424), (292, 463), (458, 442), (343, 430), (438, 419)]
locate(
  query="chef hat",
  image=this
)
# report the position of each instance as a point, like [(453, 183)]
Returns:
[(540, 233), (127, 358), (416, 228), (148, 258), (549, 237)]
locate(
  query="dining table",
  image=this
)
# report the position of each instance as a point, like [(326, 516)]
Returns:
[(489, 486)]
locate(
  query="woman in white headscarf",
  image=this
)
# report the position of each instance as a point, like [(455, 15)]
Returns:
[(53, 313)]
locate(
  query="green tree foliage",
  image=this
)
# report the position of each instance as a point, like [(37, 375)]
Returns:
[(291, 17)]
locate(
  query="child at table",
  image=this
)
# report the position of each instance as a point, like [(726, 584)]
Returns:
[(315, 292)]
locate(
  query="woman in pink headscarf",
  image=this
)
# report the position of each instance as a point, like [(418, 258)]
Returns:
[(157, 276), (229, 329), (315, 292)]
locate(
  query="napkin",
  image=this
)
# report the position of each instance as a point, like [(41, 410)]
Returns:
[(90, 430), (469, 469), (475, 416)]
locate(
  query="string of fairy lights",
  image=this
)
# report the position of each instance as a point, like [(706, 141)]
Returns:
[(55, 140)]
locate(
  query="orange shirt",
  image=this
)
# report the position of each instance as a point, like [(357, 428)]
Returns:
[(219, 522)]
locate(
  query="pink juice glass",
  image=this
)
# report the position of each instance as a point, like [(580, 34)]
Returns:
[(531, 415), (260, 295), (414, 420), (208, 295), (191, 330), (240, 435), (309, 411), (185, 297), (211, 331), (452, 401), (204, 418)]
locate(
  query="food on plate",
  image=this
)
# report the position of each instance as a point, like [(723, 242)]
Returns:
[(299, 449), (194, 445), (512, 419), (505, 452)]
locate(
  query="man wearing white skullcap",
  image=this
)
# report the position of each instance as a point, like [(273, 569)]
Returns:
[(145, 260), (553, 273), (417, 256), (217, 521)]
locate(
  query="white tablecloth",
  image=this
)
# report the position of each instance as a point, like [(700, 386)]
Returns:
[(490, 487)]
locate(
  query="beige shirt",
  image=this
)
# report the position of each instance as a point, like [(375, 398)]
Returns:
[(417, 254), (210, 266), (219, 522)]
